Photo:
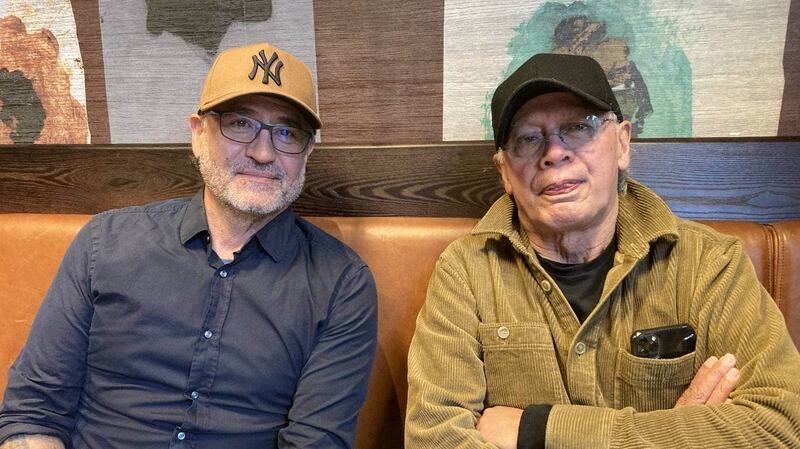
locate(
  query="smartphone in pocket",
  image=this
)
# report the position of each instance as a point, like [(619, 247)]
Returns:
[(666, 342)]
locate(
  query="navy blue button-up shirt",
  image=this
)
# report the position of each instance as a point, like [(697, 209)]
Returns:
[(147, 339)]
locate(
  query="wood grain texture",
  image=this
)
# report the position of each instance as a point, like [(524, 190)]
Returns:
[(92, 178), (753, 180), (790, 107), (87, 27), (379, 70)]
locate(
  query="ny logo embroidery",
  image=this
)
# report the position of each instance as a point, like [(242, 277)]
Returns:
[(266, 66)]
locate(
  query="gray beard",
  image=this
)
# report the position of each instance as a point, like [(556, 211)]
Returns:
[(226, 193)]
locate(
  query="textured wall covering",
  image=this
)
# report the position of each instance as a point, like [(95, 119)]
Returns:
[(105, 71), (679, 68), (42, 96), (157, 52)]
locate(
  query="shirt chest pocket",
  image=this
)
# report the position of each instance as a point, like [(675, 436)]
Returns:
[(520, 365), (651, 384)]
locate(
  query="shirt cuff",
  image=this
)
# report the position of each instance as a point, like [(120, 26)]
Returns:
[(532, 427)]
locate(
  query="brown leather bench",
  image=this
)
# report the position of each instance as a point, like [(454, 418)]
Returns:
[(401, 252)]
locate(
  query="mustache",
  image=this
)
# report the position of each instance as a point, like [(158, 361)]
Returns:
[(269, 168)]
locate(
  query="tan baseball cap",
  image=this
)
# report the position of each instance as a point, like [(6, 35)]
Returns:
[(261, 69)]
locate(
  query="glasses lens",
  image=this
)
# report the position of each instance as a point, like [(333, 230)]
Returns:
[(289, 139), (575, 135), (526, 145), (238, 127)]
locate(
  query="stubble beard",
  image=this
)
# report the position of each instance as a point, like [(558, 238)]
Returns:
[(245, 197)]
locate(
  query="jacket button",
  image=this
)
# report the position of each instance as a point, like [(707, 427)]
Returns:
[(546, 286), (580, 348), (503, 332)]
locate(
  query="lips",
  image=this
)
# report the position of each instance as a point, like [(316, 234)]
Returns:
[(260, 174), (561, 187), (268, 172)]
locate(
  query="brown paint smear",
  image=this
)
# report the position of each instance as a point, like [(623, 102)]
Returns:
[(33, 58)]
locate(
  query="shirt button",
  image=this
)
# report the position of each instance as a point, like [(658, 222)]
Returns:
[(208, 238), (580, 348), (223, 274), (181, 436), (503, 332), (546, 286), (208, 334), (195, 395)]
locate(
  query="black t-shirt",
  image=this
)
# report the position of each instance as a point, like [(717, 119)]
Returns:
[(582, 285)]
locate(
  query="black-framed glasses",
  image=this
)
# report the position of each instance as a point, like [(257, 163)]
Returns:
[(572, 135), (243, 129)]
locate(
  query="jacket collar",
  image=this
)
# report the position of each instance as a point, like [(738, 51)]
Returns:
[(643, 218)]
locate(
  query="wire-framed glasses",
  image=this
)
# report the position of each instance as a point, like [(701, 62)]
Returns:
[(573, 136)]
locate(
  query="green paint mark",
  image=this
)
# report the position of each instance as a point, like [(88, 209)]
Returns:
[(640, 52)]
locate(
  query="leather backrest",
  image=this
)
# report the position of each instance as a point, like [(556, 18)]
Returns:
[(401, 252), (786, 266), (31, 247)]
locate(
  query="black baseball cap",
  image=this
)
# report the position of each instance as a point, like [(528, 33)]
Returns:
[(544, 73)]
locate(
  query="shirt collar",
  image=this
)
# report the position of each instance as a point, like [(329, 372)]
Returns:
[(275, 237), (643, 218), (194, 219)]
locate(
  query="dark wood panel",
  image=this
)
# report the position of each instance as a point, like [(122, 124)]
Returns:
[(755, 180), (790, 107), (91, 178), (740, 180), (379, 70), (87, 26)]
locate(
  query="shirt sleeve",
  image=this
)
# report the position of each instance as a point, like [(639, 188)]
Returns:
[(446, 382), (736, 315), (532, 427), (45, 382), (333, 383)]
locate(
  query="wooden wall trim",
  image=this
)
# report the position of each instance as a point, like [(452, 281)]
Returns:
[(747, 179)]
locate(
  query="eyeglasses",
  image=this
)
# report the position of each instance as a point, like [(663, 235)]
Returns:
[(573, 136), (243, 129)]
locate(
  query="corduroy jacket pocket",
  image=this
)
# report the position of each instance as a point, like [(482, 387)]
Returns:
[(651, 384), (520, 365)]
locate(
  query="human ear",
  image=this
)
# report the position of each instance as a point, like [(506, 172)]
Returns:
[(624, 131), (500, 164)]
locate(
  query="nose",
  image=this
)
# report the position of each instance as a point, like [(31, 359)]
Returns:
[(555, 152), (261, 149)]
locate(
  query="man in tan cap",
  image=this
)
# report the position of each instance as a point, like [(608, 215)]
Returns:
[(222, 320)]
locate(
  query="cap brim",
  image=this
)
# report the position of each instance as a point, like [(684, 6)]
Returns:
[(312, 118), (532, 89)]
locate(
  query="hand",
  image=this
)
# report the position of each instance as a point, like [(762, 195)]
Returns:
[(32, 442), (713, 383), (500, 426)]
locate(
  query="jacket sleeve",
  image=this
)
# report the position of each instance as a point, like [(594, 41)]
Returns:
[(45, 382), (333, 383), (446, 381), (734, 314)]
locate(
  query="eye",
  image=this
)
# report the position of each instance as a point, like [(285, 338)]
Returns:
[(237, 122), (529, 139), (576, 128), (287, 133), (242, 123)]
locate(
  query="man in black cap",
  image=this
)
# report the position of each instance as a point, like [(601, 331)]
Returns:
[(580, 312)]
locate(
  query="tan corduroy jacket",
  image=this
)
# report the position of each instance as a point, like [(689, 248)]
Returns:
[(496, 330)]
